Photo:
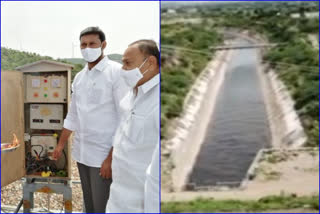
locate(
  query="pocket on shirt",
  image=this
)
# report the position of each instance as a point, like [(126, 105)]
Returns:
[(136, 130)]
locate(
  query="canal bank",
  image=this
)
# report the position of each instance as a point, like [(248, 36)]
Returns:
[(188, 131)]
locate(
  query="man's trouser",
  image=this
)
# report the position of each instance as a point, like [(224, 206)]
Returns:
[(95, 189)]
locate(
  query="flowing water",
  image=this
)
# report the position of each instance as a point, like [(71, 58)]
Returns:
[(238, 128)]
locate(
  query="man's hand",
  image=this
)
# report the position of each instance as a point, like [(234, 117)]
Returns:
[(57, 152), (62, 141), (105, 170)]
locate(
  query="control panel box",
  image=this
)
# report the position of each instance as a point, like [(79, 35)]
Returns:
[(43, 146), (46, 116), (46, 88)]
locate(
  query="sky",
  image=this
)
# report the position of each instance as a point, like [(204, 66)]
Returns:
[(53, 28)]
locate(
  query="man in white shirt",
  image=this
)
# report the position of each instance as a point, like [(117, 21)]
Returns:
[(94, 117), (137, 136)]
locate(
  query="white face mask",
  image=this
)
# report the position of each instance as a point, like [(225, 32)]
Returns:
[(91, 54), (133, 76)]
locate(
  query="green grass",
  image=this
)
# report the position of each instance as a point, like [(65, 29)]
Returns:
[(264, 204)]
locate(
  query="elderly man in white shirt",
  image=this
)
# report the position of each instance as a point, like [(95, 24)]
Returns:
[(137, 136), (94, 117)]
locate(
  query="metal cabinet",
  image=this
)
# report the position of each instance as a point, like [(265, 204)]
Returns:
[(34, 103)]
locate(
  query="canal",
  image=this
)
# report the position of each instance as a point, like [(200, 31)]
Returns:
[(238, 127)]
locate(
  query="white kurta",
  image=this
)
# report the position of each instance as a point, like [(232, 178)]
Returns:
[(94, 111), (134, 144), (152, 186)]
